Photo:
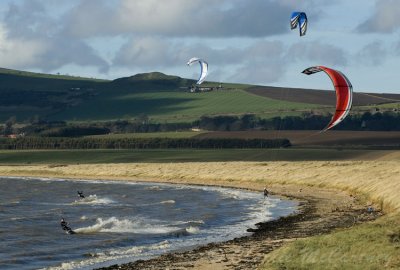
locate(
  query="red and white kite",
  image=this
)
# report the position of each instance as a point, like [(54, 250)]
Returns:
[(344, 93)]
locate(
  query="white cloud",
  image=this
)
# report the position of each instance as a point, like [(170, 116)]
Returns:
[(244, 41), (180, 18), (31, 38), (146, 51), (373, 54), (263, 61), (320, 53), (385, 18), (19, 53)]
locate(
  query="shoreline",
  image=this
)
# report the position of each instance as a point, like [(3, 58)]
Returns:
[(320, 211), (248, 252), (338, 194)]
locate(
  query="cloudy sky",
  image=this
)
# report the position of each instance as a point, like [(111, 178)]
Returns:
[(247, 41)]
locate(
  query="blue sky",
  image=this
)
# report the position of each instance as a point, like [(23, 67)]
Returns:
[(246, 41)]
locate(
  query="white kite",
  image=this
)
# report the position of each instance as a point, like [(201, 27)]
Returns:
[(203, 66)]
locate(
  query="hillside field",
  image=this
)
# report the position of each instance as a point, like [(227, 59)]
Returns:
[(173, 106), (163, 98)]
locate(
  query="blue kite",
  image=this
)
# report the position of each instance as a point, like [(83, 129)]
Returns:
[(299, 18)]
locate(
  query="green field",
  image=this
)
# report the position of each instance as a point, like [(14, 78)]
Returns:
[(162, 97), (387, 106), (174, 106), (173, 135), (182, 155), (26, 94)]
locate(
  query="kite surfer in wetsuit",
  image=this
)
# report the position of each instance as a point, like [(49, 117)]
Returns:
[(65, 227), (80, 194)]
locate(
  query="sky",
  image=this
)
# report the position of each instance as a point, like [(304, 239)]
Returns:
[(244, 41)]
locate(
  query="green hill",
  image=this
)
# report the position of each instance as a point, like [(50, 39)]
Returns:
[(25, 94), (163, 98)]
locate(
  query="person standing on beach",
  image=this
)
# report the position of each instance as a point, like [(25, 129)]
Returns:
[(266, 192)]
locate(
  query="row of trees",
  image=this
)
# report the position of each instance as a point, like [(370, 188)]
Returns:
[(387, 121), (137, 143)]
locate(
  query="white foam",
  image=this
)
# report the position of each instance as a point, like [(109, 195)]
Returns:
[(189, 222), (109, 256), (154, 188), (137, 226), (93, 199), (168, 202), (193, 230), (162, 202)]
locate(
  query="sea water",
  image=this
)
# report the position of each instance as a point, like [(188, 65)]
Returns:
[(119, 222)]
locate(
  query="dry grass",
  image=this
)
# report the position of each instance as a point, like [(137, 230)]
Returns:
[(379, 180)]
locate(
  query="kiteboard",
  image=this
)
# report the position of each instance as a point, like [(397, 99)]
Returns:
[(70, 231)]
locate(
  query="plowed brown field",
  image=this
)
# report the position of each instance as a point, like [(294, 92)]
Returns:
[(322, 97)]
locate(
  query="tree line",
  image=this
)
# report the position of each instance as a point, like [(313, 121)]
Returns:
[(386, 121), (26, 143)]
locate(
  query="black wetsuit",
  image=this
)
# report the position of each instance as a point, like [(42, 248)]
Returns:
[(64, 226), (80, 193)]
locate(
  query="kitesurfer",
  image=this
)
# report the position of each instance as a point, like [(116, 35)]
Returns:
[(80, 194), (65, 227)]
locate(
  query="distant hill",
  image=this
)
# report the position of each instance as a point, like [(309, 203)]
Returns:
[(153, 81), (6, 71), (25, 94), (161, 97)]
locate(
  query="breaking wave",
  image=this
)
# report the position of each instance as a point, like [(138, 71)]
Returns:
[(93, 199), (115, 225)]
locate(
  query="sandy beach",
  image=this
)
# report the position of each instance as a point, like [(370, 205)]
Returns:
[(333, 195)]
